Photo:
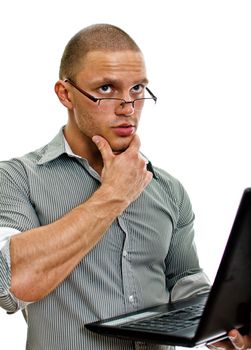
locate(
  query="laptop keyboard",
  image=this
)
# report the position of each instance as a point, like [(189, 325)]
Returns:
[(170, 322)]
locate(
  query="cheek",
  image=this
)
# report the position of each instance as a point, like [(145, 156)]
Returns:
[(89, 123), (138, 115)]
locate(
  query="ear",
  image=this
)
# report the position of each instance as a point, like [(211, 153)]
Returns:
[(63, 93)]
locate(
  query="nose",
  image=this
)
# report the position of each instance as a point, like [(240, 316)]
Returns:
[(125, 108)]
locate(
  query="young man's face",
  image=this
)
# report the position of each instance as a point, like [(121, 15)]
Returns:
[(119, 74)]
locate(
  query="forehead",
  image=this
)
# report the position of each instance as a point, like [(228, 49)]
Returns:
[(114, 64)]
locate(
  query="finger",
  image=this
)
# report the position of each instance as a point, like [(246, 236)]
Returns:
[(223, 344), (214, 347), (103, 147), (236, 339), (135, 144), (144, 159)]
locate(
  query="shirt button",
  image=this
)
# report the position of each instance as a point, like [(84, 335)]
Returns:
[(125, 253), (131, 298)]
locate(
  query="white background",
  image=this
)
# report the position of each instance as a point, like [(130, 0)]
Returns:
[(198, 56)]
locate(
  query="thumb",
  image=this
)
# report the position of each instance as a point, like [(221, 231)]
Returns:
[(103, 147)]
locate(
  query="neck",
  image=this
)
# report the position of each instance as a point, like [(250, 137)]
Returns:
[(84, 149)]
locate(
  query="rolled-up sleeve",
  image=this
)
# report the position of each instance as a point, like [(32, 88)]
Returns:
[(7, 300), (190, 285)]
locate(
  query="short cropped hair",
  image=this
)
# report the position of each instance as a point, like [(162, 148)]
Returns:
[(97, 37)]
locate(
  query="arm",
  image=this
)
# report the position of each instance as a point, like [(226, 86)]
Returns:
[(43, 257)]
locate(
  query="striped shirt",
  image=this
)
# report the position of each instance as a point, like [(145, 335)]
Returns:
[(146, 256)]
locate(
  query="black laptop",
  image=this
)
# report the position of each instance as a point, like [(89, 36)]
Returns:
[(205, 318)]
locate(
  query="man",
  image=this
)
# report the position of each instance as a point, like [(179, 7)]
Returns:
[(89, 229)]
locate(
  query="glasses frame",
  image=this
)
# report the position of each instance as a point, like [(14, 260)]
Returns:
[(97, 99)]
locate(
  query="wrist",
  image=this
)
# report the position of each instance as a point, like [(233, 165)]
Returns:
[(111, 200), (105, 204)]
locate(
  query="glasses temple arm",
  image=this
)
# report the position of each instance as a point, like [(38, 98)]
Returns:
[(150, 92), (94, 99)]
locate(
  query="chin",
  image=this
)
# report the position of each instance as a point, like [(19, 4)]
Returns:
[(119, 144), (121, 148), (118, 151)]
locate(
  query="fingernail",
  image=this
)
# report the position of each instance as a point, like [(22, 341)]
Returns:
[(232, 338), (95, 139)]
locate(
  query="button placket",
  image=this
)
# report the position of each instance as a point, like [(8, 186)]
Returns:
[(128, 284), (125, 254)]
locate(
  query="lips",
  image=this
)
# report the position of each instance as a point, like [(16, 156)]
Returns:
[(124, 130)]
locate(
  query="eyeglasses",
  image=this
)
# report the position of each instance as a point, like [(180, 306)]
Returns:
[(110, 103)]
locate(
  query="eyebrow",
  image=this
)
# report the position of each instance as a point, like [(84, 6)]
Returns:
[(114, 81)]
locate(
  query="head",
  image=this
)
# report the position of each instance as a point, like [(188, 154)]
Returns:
[(97, 37), (105, 62)]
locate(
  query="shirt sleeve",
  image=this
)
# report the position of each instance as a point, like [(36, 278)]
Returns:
[(16, 208), (184, 275), (5, 234), (16, 215), (7, 300), (190, 285)]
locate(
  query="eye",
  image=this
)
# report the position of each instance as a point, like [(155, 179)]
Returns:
[(138, 89), (105, 89)]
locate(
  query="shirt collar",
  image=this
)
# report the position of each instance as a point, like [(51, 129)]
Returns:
[(54, 149), (69, 151)]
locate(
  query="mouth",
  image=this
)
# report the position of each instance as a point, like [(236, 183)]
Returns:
[(124, 130)]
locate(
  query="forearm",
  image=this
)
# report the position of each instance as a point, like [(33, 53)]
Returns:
[(43, 257)]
